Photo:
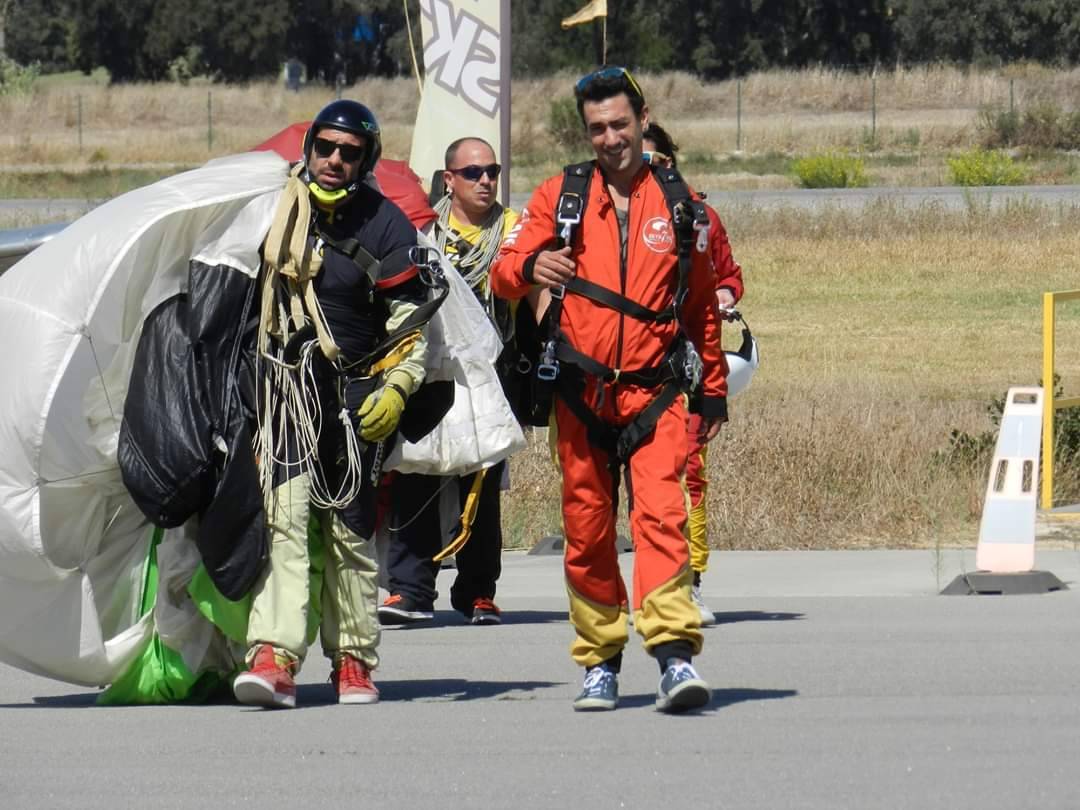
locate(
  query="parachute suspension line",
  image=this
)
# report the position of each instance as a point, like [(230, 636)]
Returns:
[(79, 476), (292, 394), (412, 49), (290, 413), (112, 520), (416, 515), (474, 263), (100, 372)]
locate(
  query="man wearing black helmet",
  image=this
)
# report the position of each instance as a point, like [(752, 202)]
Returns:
[(351, 361)]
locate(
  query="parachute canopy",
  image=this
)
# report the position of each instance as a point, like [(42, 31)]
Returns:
[(74, 561)]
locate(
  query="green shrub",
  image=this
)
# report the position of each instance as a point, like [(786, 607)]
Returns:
[(910, 137), (1041, 126), (1070, 130), (564, 123), (16, 79), (869, 141), (830, 170), (998, 127), (983, 167), (1044, 125), (187, 66)]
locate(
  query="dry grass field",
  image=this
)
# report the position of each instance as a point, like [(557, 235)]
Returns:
[(881, 331), (922, 113)]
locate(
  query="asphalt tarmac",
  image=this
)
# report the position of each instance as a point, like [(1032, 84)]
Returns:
[(13, 243), (840, 680)]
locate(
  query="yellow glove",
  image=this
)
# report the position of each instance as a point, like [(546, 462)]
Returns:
[(381, 411)]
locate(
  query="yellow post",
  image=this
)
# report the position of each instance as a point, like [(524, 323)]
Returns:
[(1046, 492)]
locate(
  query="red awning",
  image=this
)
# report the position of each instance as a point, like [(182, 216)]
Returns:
[(397, 181)]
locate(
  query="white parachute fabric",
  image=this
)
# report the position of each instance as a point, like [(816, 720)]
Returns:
[(480, 429), (73, 546)]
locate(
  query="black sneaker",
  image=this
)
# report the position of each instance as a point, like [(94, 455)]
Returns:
[(600, 692), (399, 610), (681, 689), (485, 611)]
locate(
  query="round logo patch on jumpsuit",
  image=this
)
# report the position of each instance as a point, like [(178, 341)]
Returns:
[(657, 235)]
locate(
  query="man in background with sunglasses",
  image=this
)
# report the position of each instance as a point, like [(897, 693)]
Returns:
[(367, 287), (632, 325), (470, 228)]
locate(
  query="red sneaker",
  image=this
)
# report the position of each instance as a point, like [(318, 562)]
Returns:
[(396, 609), (485, 611), (352, 680), (268, 682)]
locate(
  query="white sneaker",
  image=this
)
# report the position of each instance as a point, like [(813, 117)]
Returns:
[(707, 617)]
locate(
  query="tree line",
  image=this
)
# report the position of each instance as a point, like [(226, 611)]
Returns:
[(336, 40)]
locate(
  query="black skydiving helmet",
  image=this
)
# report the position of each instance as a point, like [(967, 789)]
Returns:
[(347, 116)]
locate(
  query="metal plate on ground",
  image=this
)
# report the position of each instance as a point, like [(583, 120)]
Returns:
[(553, 544), (988, 583)]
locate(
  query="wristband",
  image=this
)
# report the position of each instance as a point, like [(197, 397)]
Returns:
[(401, 391), (528, 269)]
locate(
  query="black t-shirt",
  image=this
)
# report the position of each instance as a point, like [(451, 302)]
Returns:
[(355, 310)]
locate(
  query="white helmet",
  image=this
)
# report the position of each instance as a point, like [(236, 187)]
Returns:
[(743, 363)]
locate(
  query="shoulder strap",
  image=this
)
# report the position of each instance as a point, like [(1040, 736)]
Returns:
[(392, 269), (690, 221), (573, 197), (355, 252), (569, 211)]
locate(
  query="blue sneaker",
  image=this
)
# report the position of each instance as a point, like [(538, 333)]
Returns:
[(681, 689), (600, 692)]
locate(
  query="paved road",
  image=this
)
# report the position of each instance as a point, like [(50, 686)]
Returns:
[(13, 244), (841, 680)]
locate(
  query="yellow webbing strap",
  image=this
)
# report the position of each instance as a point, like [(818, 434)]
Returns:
[(400, 351), (288, 254), (468, 515)]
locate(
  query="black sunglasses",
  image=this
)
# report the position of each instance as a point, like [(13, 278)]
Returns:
[(613, 72), (349, 153), (473, 173)]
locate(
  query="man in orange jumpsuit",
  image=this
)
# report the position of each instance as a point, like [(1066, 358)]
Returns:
[(617, 256)]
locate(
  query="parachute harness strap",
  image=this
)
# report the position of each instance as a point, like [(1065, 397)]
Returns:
[(288, 255), (468, 517)]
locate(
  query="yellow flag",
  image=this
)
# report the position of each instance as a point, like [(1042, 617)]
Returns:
[(592, 10)]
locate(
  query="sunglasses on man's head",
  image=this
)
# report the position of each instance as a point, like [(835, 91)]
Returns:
[(473, 172), (613, 72), (349, 153)]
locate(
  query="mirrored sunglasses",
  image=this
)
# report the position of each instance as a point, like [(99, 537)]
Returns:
[(349, 153), (473, 172), (613, 72)]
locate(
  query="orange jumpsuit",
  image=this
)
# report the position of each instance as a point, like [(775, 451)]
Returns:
[(663, 612), (728, 274)]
